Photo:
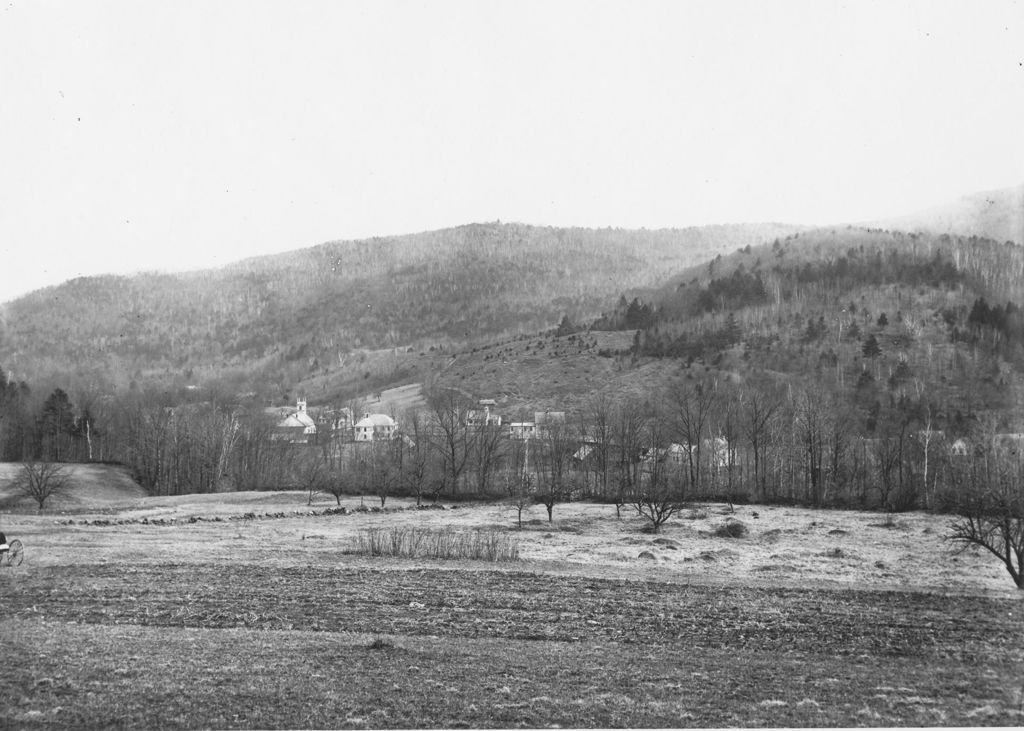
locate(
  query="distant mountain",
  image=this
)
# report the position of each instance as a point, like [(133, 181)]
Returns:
[(357, 316), (993, 214), (281, 319)]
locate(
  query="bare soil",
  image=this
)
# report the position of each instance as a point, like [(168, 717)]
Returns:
[(247, 611)]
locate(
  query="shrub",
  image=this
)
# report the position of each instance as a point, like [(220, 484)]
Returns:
[(446, 543), (731, 529)]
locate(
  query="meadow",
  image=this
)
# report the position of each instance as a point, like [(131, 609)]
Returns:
[(254, 610)]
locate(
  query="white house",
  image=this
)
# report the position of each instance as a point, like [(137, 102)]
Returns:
[(522, 430), (375, 426)]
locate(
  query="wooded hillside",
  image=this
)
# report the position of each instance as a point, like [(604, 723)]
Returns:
[(889, 324), (305, 311)]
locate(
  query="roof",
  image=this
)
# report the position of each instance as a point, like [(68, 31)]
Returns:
[(299, 419), (375, 420), (549, 417)]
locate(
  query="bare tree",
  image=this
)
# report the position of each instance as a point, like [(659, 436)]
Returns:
[(380, 466), (556, 447), (454, 439), (629, 423), (421, 471), (693, 408), (988, 493), (759, 410), (489, 443), (342, 471), (519, 483), (654, 496), (728, 423), (927, 437), (812, 423), (42, 481), (597, 435), (312, 474), (174, 450)]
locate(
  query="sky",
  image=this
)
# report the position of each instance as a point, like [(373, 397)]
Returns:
[(141, 135)]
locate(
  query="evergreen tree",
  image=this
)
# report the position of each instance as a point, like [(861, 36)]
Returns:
[(57, 426), (871, 348), (733, 333)]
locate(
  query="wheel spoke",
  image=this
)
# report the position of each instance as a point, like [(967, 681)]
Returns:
[(15, 554)]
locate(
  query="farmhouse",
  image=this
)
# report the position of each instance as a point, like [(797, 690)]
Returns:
[(375, 426), (544, 422)]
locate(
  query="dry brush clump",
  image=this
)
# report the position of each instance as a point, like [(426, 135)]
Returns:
[(445, 543), (731, 529)]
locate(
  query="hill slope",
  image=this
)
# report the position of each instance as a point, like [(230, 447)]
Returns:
[(90, 487), (280, 318), (943, 315)]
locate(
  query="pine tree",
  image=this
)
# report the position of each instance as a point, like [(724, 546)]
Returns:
[(871, 348), (733, 333)]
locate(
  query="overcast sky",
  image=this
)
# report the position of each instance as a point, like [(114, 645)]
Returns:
[(175, 135)]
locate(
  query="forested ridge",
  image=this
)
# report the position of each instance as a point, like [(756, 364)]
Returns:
[(889, 327), (307, 309)]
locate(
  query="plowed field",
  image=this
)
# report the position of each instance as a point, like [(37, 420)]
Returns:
[(520, 606), (249, 614)]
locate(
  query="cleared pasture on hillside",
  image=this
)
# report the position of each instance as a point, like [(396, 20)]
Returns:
[(235, 612), (91, 486)]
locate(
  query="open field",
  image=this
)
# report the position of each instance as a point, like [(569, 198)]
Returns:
[(395, 400), (244, 610)]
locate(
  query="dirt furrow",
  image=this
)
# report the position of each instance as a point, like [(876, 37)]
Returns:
[(515, 606)]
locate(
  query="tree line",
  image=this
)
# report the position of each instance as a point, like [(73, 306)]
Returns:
[(696, 441)]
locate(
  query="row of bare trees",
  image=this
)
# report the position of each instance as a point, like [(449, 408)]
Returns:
[(728, 441), (698, 441)]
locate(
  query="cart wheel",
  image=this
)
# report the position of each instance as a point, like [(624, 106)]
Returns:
[(15, 553)]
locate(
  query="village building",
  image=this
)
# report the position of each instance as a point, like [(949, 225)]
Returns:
[(297, 427), (548, 421), (374, 427), (522, 430), (484, 416)]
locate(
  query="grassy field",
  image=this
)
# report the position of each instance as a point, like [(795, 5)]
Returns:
[(249, 610), (92, 486)]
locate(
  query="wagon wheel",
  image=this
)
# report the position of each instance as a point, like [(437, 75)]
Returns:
[(15, 553)]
